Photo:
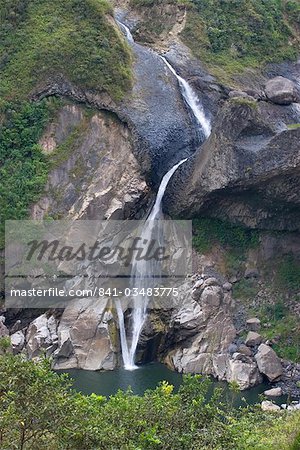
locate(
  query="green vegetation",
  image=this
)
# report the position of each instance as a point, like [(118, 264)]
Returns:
[(293, 126), (288, 274), (42, 39), (39, 411), (283, 329), (208, 232), (23, 167), (235, 34), (245, 289)]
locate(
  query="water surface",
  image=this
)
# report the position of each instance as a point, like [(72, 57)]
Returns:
[(148, 377)]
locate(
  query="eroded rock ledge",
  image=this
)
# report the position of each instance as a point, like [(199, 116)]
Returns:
[(247, 171)]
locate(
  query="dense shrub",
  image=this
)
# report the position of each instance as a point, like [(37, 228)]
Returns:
[(38, 411), (40, 39), (23, 167), (238, 33), (208, 232)]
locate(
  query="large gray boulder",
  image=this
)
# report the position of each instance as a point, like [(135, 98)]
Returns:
[(244, 372), (201, 330), (281, 90), (86, 337), (268, 362), (253, 339)]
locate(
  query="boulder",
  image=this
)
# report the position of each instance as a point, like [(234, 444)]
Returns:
[(244, 373), (3, 329), (281, 90), (253, 324), (86, 336), (17, 341), (41, 336), (244, 350), (253, 339), (275, 392), (251, 272), (268, 362), (269, 406)]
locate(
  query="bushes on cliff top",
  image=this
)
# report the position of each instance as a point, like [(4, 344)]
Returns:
[(239, 33), (23, 167), (40, 39), (38, 411)]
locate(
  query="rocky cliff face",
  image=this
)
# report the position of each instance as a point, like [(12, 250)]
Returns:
[(247, 171), (95, 174), (106, 157)]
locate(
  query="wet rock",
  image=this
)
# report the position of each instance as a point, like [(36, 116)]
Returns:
[(275, 392), (253, 324), (253, 339), (281, 90), (268, 362), (269, 406)]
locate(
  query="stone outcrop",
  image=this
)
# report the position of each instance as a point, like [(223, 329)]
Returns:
[(17, 341), (97, 176), (41, 336), (282, 91), (243, 370), (268, 362), (87, 336), (246, 172)]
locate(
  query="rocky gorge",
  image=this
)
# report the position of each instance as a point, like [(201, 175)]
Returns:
[(110, 156)]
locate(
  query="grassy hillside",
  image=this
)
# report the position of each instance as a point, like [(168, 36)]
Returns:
[(233, 34), (42, 38), (38, 40), (238, 33)]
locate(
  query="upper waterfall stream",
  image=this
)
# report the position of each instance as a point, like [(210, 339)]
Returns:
[(142, 271)]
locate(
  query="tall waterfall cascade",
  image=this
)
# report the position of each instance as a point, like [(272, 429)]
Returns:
[(142, 270)]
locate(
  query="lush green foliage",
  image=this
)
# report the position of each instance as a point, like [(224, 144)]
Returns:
[(40, 39), (208, 232), (289, 273), (23, 167), (38, 411), (238, 33), (283, 328)]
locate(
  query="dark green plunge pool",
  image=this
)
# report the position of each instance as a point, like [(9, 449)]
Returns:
[(147, 377)]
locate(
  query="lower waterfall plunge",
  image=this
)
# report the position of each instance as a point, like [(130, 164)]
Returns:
[(142, 270)]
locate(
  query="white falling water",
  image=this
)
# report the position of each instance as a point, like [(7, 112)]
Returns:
[(142, 277), (142, 270), (192, 100), (128, 34)]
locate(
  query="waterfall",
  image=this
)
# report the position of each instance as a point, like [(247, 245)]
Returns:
[(142, 271), (142, 276), (192, 100), (128, 34)]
